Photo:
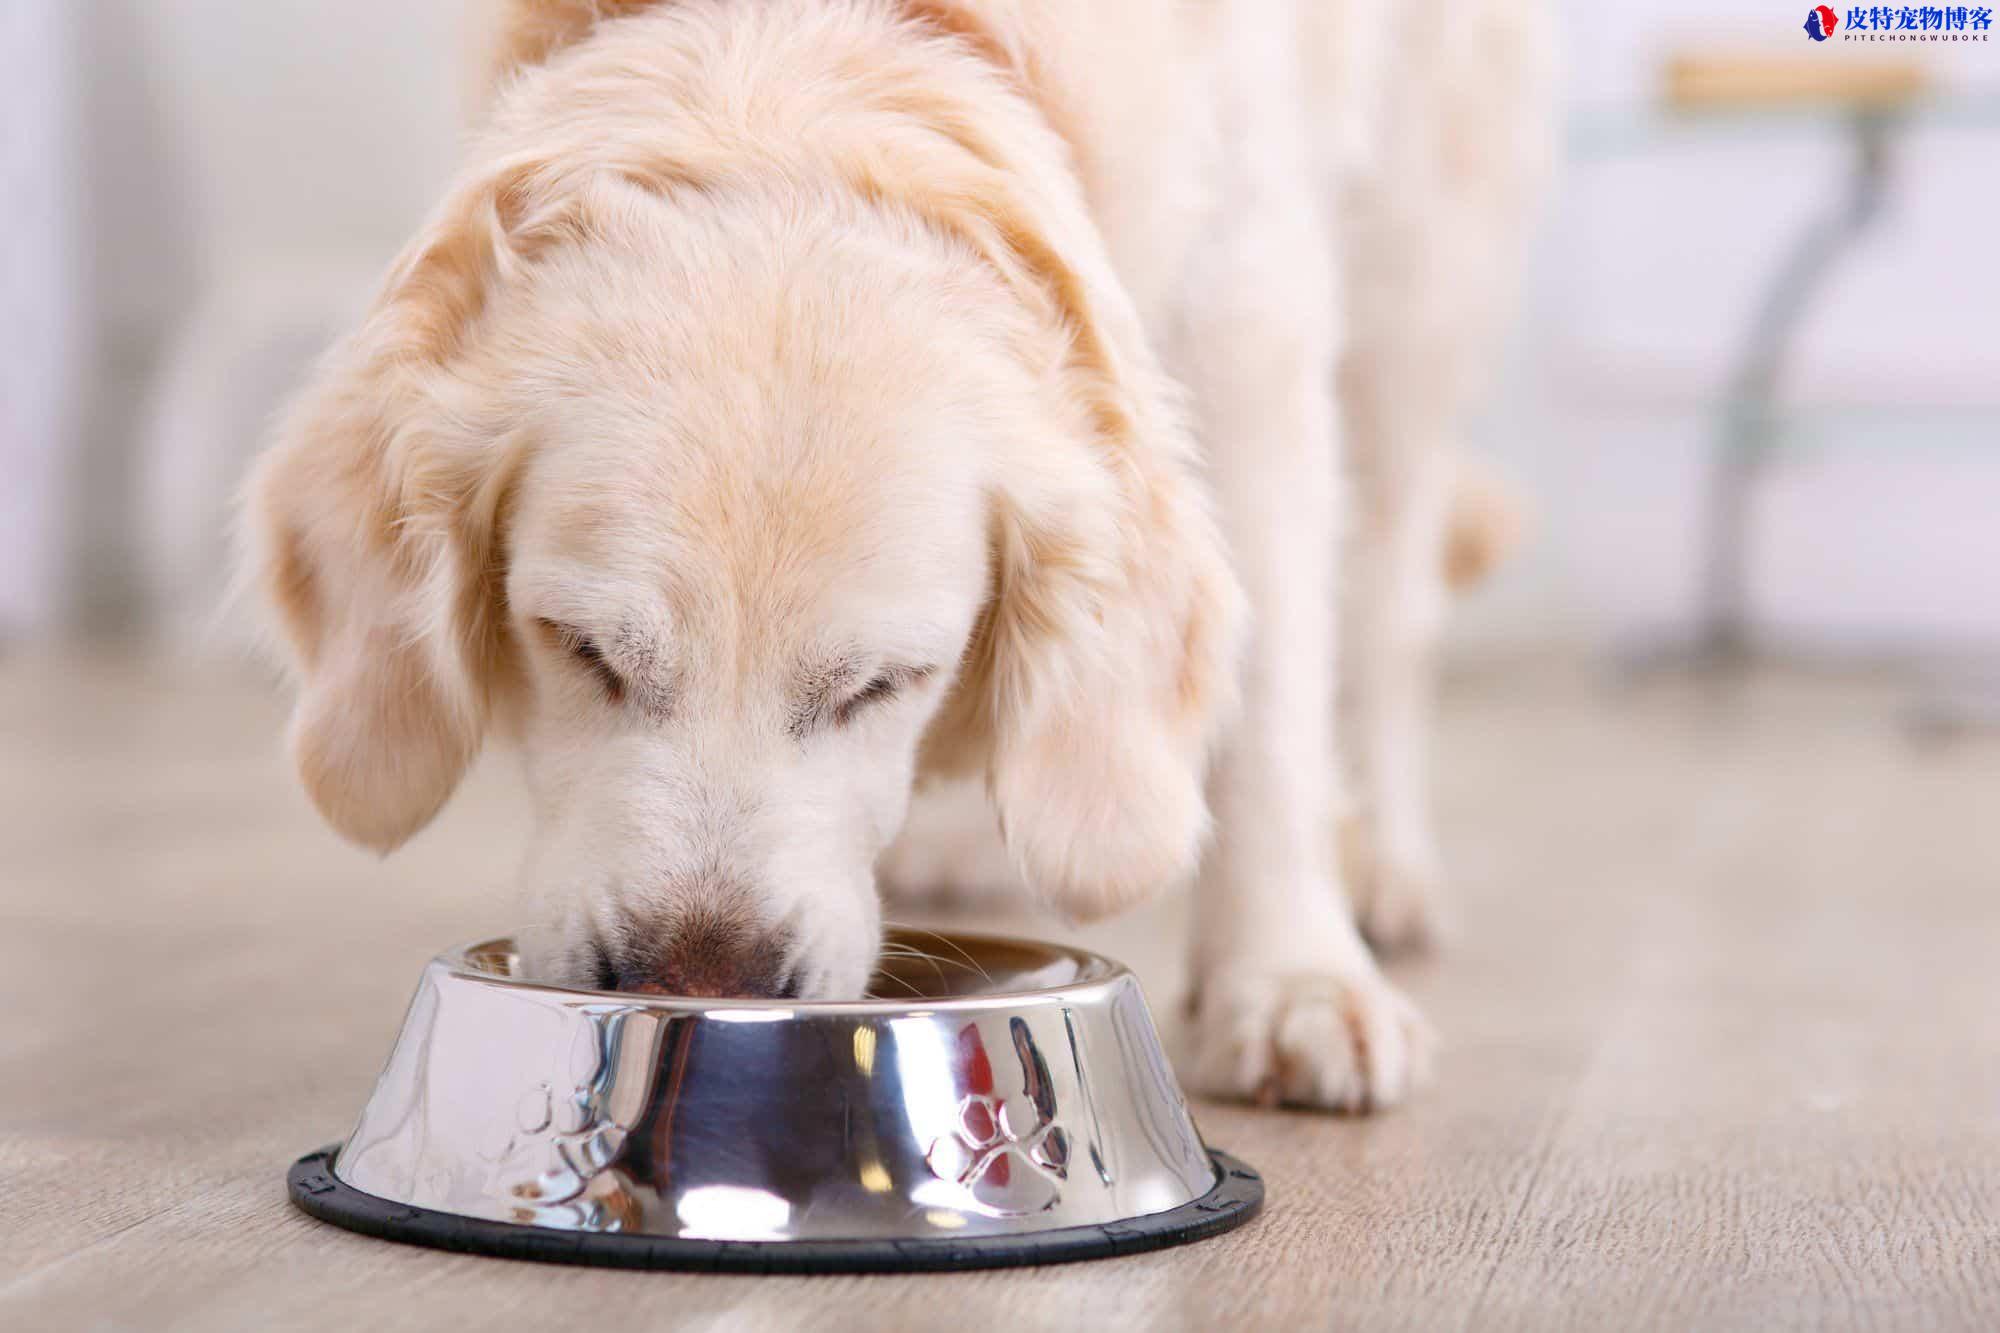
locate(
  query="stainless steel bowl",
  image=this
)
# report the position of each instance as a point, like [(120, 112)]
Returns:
[(1014, 1106)]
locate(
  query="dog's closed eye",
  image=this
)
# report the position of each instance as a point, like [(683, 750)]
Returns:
[(584, 650), (826, 701), (875, 691)]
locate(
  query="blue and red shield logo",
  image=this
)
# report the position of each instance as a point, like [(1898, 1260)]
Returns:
[(1820, 23)]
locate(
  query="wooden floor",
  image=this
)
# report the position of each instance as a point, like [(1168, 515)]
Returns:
[(1723, 1040)]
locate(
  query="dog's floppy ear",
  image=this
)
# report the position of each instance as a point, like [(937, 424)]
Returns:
[(1109, 657), (1106, 659), (370, 530)]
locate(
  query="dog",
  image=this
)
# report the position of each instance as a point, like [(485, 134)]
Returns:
[(793, 405)]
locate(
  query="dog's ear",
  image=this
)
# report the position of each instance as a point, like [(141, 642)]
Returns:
[(1108, 654), (1106, 659), (370, 531)]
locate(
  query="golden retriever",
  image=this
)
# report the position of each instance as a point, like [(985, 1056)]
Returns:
[(796, 402)]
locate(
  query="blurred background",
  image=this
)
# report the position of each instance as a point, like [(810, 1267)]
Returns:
[(1716, 755), (200, 192)]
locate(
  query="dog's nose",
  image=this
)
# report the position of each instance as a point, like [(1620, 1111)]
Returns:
[(710, 956), (721, 979)]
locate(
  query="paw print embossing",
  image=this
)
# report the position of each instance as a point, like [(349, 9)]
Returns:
[(560, 1143), (1008, 1153)]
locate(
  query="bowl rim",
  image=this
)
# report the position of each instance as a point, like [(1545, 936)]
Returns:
[(1105, 975)]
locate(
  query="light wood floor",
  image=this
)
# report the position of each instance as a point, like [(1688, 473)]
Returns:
[(1723, 1041)]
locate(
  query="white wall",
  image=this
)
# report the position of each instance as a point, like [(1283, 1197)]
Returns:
[(225, 131), (40, 288), (224, 147)]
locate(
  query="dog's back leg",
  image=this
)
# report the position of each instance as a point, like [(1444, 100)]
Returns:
[(1430, 222)]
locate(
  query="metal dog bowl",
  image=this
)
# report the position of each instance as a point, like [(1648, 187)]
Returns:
[(1014, 1108)]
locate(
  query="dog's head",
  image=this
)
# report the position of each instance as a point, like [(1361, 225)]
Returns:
[(737, 509)]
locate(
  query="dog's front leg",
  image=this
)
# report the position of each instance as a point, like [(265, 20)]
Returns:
[(1287, 1003)]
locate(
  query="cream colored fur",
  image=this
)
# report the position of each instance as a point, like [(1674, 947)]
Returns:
[(792, 400)]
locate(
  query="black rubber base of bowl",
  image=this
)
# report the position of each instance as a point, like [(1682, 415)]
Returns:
[(1237, 1196)]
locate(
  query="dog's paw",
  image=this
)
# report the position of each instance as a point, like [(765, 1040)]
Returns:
[(1397, 889), (1337, 1040)]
